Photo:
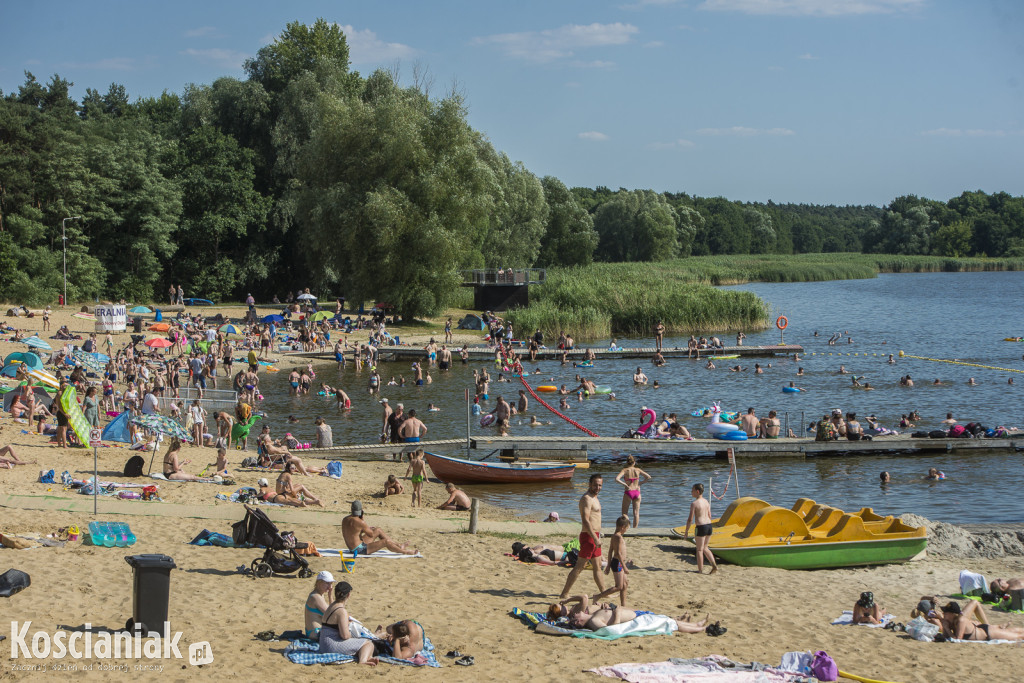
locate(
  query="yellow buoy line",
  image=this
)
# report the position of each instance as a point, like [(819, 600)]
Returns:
[(960, 362)]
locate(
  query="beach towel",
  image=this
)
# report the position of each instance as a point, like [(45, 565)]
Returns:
[(846, 619), (645, 624), (1001, 605), (380, 554), (713, 668), (305, 651)]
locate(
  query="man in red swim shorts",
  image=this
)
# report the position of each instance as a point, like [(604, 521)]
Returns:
[(590, 537)]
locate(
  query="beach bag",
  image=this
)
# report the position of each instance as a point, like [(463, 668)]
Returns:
[(824, 667), (920, 435), (956, 431), (334, 469), (133, 468), (46, 477), (250, 462), (938, 434), (920, 629), (12, 582), (797, 662)]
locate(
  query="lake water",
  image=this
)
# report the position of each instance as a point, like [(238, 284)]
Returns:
[(961, 316)]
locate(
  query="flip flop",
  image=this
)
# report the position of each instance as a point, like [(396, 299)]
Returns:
[(465, 661), (266, 636), (453, 653)]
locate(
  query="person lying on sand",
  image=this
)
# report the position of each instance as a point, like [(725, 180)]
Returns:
[(12, 458), (541, 554), (962, 627), (406, 638), (364, 539), (866, 610), (457, 499), (598, 616)]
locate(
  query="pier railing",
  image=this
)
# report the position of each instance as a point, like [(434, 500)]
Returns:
[(503, 276)]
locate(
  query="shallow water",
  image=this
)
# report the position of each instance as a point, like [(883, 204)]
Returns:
[(936, 315)]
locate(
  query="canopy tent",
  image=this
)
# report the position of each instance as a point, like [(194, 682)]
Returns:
[(33, 361), (139, 309), (320, 315), (472, 322), (117, 429)]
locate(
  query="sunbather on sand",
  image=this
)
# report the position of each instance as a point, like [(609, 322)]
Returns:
[(963, 628), (541, 554), (595, 617), (406, 638), (365, 539), (12, 458), (997, 585), (292, 491), (867, 611)]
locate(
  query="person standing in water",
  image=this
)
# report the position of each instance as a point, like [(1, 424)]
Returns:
[(631, 477), (700, 515)]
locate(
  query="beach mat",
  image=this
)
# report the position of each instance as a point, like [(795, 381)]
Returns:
[(380, 554), (846, 619), (713, 668), (305, 651), (645, 624)]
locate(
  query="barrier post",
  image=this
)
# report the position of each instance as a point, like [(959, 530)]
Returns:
[(467, 425), (474, 510), (732, 463)]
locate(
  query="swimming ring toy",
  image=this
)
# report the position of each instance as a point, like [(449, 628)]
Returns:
[(790, 390), (647, 417), (782, 322), (717, 427), (547, 388), (487, 420), (584, 364), (738, 435), (699, 412)]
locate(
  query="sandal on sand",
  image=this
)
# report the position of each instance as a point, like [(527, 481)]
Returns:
[(266, 636), (453, 653), (715, 629), (465, 661)]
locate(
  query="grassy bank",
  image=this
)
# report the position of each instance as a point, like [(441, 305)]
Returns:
[(605, 299)]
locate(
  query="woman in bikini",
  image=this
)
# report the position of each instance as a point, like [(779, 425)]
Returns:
[(406, 638), (317, 603), (336, 632), (292, 491), (962, 627), (631, 477), (172, 468)]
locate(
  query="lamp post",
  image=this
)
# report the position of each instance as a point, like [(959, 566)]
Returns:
[(64, 239)]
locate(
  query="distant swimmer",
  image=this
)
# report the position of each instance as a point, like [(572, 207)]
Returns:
[(949, 419), (892, 361), (758, 370), (799, 372), (639, 377), (711, 366), (855, 383), (937, 382), (737, 368), (884, 478), (971, 382), (842, 370), (934, 475)]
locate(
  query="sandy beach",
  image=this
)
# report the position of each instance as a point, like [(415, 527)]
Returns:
[(461, 591)]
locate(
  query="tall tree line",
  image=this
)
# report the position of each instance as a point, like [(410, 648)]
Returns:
[(307, 174)]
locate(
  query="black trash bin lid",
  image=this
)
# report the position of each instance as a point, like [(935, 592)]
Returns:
[(150, 561)]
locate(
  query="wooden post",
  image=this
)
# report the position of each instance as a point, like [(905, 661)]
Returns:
[(474, 510)]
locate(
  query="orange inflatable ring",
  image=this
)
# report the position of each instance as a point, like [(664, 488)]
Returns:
[(782, 323)]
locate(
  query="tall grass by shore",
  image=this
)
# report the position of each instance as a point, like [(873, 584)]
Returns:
[(605, 299)]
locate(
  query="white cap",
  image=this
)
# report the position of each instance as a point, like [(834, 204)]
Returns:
[(383, 400), (263, 482), (325, 576)]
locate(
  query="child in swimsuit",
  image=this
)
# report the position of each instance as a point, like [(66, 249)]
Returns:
[(617, 561), (418, 468)]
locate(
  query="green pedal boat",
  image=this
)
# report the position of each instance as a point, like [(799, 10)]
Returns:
[(753, 533)]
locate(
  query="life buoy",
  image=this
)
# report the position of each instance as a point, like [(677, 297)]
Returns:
[(782, 322)]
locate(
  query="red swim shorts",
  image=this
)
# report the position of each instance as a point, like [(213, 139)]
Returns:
[(589, 549)]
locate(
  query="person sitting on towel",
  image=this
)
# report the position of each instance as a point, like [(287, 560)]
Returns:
[(867, 611)]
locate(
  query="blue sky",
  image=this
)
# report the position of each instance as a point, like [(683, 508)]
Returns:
[(818, 101)]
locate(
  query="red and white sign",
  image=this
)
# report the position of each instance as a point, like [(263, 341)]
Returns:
[(95, 437)]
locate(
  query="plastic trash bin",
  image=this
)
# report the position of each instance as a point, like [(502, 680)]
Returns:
[(151, 591), (137, 324)]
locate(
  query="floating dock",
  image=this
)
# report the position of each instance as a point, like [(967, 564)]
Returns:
[(578, 449), (486, 353)]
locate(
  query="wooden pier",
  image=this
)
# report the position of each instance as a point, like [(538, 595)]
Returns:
[(578, 449), (485, 353)]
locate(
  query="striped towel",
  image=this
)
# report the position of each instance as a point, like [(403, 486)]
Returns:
[(306, 652)]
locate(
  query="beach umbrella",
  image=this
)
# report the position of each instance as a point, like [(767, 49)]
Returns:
[(320, 315), (161, 424), (159, 327), (306, 297), (36, 343), (272, 319), (158, 343), (139, 309), (228, 328)]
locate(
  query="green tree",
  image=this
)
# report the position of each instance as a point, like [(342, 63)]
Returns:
[(570, 238), (637, 225), (519, 216), (953, 239)]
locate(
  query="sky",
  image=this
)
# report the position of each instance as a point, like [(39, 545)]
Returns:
[(808, 101)]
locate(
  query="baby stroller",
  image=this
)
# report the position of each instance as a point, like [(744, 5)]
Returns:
[(257, 530)]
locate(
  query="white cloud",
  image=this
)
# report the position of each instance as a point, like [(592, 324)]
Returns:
[(808, 56), (559, 43), (366, 48), (231, 59), (202, 32), (110, 63), (812, 8), (593, 136), (745, 131), (592, 64), (970, 132), (674, 144)]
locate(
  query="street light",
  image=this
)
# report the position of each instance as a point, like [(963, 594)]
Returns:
[(64, 238)]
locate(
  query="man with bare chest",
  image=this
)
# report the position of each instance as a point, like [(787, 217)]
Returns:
[(590, 537)]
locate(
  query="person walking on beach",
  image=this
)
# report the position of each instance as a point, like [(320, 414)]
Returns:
[(418, 471), (700, 515), (631, 477), (590, 537), (181, 295)]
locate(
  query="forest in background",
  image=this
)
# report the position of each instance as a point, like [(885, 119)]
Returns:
[(308, 174)]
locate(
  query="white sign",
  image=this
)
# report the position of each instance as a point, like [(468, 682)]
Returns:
[(732, 458), (111, 318), (95, 437)]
